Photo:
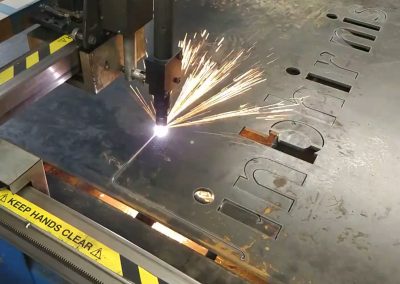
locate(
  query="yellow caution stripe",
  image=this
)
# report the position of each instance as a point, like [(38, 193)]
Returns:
[(31, 59), (6, 75), (75, 238), (137, 274)]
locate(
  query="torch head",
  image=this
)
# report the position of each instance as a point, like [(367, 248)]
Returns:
[(161, 106), (163, 76)]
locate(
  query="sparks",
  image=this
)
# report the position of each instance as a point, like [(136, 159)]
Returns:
[(208, 82), (146, 106), (205, 73), (266, 113), (239, 85)]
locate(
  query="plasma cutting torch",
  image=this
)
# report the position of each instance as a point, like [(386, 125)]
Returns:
[(110, 39)]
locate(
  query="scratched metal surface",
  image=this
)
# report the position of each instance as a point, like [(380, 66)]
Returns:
[(331, 221)]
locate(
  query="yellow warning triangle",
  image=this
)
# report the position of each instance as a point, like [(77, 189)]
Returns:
[(97, 253)]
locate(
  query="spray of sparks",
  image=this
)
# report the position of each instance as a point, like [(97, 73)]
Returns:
[(203, 75)]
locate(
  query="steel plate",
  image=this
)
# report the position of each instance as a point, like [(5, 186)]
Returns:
[(318, 206)]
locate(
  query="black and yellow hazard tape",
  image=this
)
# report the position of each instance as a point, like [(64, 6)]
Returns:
[(76, 239), (31, 59), (137, 274)]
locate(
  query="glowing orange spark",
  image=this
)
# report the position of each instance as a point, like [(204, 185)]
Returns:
[(203, 74), (147, 107), (248, 111), (239, 85)]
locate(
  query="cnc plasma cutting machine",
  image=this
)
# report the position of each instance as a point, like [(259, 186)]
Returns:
[(210, 141)]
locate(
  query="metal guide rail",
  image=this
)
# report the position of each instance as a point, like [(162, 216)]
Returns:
[(31, 59), (91, 258), (34, 75)]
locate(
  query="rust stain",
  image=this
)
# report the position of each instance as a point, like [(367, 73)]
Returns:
[(246, 247), (266, 237), (267, 210), (280, 182), (230, 261), (241, 272), (271, 208), (91, 190), (250, 134)]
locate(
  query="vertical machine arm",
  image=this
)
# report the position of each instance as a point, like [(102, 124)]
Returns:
[(163, 67)]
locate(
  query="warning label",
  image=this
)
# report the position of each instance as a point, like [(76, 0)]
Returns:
[(60, 43), (61, 230)]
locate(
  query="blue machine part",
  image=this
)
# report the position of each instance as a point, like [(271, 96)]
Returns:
[(17, 268), (13, 265)]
